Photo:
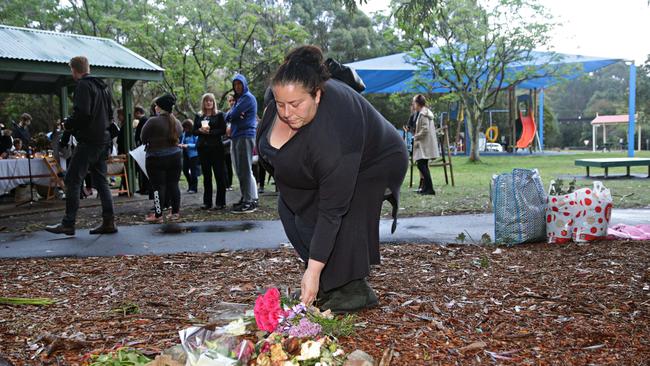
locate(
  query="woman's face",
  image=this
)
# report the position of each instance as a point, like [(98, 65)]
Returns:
[(208, 104), (296, 107), (415, 106)]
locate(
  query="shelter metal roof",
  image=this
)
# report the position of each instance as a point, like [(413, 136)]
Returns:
[(36, 61), (611, 119)]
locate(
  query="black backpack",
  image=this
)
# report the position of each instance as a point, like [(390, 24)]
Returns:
[(345, 74)]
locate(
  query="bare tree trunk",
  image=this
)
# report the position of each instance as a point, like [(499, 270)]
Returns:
[(474, 128)]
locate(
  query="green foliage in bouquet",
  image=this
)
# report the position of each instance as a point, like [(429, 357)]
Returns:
[(121, 357)]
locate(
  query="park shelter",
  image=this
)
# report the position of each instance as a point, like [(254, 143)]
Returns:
[(397, 74), (611, 120), (36, 62)]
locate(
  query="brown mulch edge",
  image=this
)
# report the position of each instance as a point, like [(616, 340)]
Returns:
[(537, 304)]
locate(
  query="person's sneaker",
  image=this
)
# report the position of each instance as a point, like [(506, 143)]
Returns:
[(260, 190), (218, 207), (246, 207), (205, 207), (237, 205), (191, 191)]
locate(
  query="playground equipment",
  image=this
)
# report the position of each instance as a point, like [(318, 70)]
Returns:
[(529, 128), (492, 133)]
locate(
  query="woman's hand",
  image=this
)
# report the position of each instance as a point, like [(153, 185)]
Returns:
[(310, 282)]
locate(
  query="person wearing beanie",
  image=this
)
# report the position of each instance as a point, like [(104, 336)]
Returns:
[(163, 158)]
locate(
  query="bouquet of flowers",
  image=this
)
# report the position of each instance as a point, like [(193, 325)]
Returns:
[(296, 335), (299, 334)]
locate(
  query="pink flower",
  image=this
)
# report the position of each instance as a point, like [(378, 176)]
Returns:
[(268, 310)]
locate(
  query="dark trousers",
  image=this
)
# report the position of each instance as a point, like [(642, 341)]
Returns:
[(164, 174), (260, 174), (91, 159), (191, 171), (212, 161), (228, 163), (425, 174)]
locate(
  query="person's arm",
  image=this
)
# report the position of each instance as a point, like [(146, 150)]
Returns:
[(239, 111), (336, 166), (218, 125), (81, 111), (145, 135), (421, 127), (191, 143), (197, 126)]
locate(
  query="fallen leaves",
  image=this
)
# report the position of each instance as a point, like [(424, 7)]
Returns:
[(569, 305)]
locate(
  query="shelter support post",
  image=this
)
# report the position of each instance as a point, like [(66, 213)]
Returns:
[(639, 137), (604, 136), (127, 105), (631, 110), (541, 118), (63, 102), (593, 138)]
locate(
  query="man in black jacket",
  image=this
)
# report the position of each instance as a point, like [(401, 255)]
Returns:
[(89, 123)]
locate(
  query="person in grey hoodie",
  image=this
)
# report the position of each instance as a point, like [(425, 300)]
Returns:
[(243, 125)]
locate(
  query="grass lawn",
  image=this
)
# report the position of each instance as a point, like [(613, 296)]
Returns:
[(472, 190)]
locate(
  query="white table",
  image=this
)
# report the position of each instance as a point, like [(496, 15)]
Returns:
[(14, 172)]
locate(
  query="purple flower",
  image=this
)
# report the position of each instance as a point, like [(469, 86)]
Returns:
[(305, 328)]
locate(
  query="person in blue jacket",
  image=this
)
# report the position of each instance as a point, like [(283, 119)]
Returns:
[(243, 124), (191, 168)]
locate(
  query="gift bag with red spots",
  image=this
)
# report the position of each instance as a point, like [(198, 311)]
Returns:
[(560, 216), (594, 211), (581, 216)]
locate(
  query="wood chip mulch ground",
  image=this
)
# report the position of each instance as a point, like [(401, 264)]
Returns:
[(455, 305)]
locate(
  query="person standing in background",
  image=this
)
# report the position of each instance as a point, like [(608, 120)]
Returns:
[(425, 142), (243, 124), (89, 123), (191, 167), (164, 158), (21, 130), (210, 127)]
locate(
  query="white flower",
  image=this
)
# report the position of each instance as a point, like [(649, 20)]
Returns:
[(338, 352), (291, 363), (309, 350), (236, 327)]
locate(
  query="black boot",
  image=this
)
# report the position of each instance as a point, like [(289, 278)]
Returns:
[(107, 227), (60, 229), (353, 296)]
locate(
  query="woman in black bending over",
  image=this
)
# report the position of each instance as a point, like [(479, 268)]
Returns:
[(335, 159)]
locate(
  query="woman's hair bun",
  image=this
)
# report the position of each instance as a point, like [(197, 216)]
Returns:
[(310, 55), (304, 64)]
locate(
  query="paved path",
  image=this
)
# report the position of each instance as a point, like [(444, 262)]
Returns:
[(233, 235)]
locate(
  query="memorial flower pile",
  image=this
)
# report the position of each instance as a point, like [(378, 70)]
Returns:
[(293, 335)]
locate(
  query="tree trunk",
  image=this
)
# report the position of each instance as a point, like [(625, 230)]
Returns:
[(474, 127)]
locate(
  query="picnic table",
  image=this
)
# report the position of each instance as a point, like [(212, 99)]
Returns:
[(614, 162)]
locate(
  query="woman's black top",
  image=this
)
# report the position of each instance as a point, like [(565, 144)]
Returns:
[(217, 129), (334, 173)]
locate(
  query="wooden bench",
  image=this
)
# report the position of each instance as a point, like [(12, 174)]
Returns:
[(614, 162)]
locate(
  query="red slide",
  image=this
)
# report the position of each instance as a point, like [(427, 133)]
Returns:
[(527, 122)]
